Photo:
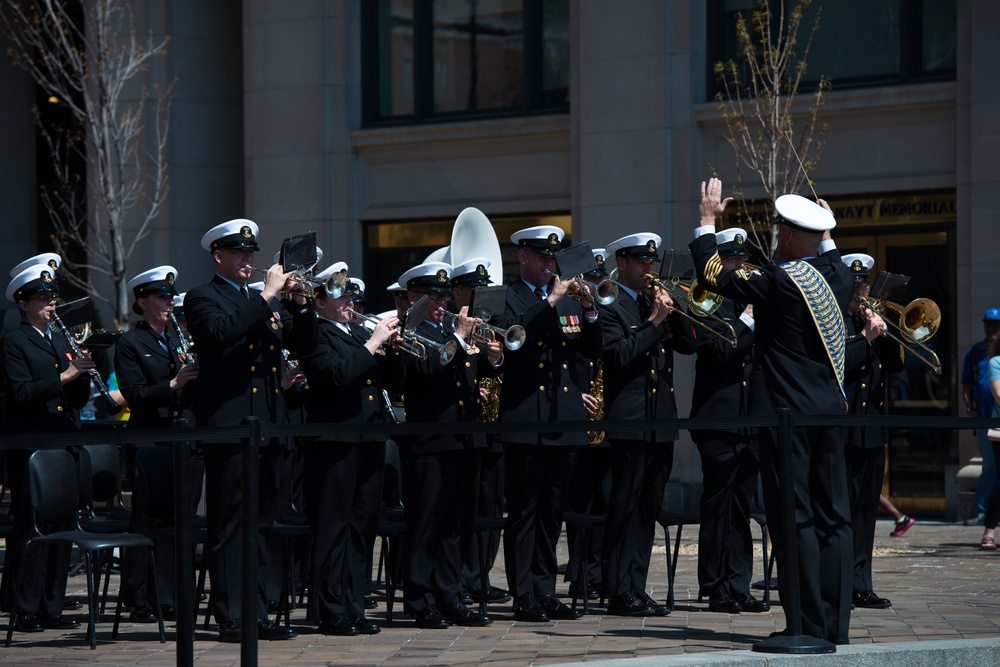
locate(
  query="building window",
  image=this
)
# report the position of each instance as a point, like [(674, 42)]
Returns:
[(858, 43), (429, 60)]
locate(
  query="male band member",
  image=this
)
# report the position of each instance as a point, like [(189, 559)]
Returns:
[(642, 331), (489, 487), (158, 386), (730, 461), (871, 356), (798, 309), (542, 383), (440, 469), (239, 340), (44, 388), (343, 473)]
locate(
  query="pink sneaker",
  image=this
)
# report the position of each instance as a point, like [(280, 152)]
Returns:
[(902, 526)]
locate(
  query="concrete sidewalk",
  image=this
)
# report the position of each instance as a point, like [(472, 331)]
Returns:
[(946, 610)]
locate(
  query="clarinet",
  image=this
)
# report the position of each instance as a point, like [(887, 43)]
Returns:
[(183, 350), (390, 415), (112, 404)]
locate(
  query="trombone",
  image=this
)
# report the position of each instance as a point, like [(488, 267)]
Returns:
[(333, 287), (415, 344), (918, 321), (483, 332), (701, 302)]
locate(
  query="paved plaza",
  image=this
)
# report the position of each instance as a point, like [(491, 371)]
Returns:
[(941, 585)]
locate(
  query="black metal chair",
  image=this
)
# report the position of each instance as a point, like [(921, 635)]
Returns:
[(391, 529), (52, 481), (585, 523), (678, 519)]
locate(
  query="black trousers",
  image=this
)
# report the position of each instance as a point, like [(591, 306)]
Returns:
[(488, 490), (822, 525), (224, 513), (437, 496), (588, 494), (639, 474), (865, 468), (537, 478), (730, 464), (343, 486)]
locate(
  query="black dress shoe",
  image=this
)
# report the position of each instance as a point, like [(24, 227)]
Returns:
[(142, 615), (627, 604), (658, 609), (558, 609), (70, 604), (270, 630), (365, 625), (465, 597), (169, 612), (462, 615), (57, 622), (273, 606), (869, 600), (27, 623), (527, 608), (371, 602), (431, 619), (752, 604), (230, 631), (339, 624), (723, 602), (493, 596), (576, 592)]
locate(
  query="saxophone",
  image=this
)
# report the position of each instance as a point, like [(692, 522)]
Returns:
[(595, 438), (491, 406)]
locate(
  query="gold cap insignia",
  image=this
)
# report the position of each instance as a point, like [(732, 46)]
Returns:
[(651, 246), (245, 232), (738, 239), (481, 270), (53, 265), (553, 239), (170, 277), (857, 266), (599, 259), (46, 277), (442, 276)]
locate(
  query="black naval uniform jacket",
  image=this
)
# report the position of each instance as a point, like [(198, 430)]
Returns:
[(443, 393), (239, 346), (791, 366), (542, 380), (144, 371), (867, 367), (639, 368), (35, 397), (722, 372), (345, 382)]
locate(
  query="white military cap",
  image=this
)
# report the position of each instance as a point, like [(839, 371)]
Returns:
[(319, 256), (600, 255), (395, 287), (154, 281), (50, 258), (860, 264), (179, 305), (804, 213), (238, 233), (544, 239), (356, 288), (428, 277), (641, 246), (732, 242), (336, 267), (31, 281), (474, 272)]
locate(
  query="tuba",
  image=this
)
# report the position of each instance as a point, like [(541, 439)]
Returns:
[(595, 438)]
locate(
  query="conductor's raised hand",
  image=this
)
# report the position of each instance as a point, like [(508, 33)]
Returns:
[(712, 204)]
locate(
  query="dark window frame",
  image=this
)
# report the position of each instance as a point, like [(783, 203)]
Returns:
[(423, 75)]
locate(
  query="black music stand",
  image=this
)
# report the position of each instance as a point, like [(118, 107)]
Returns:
[(889, 286), (76, 313), (101, 339), (576, 260), (677, 265), (416, 314), (298, 253), (487, 301)]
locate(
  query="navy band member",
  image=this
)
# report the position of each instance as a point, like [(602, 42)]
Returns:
[(44, 388), (799, 365), (343, 473), (439, 469), (542, 383), (871, 356), (239, 340), (642, 331), (158, 386), (730, 460)]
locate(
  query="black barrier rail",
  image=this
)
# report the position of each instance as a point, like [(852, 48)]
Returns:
[(252, 433)]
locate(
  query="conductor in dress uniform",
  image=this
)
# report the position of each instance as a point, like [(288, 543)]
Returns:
[(343, 473), (239, 340), (642, 331), (542, 383), (439, 469), (871, 356), (730, 459), (44, 389), (799, 305), (158, 385)]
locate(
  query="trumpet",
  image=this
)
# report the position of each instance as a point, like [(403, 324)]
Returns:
[(333, 287), (919, 320), (604, 292), (671, 287), (483, 332), (415, 344), (112, 404)]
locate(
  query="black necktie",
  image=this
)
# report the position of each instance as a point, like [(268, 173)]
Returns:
[(540, 293), (246, 292), (645, 305)]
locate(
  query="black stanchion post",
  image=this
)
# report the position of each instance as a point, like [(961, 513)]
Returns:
[(183, 549), (248, 610), (791, 640)]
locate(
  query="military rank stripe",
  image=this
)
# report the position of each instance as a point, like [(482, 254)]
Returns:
[(713, 268), (825, 313)]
